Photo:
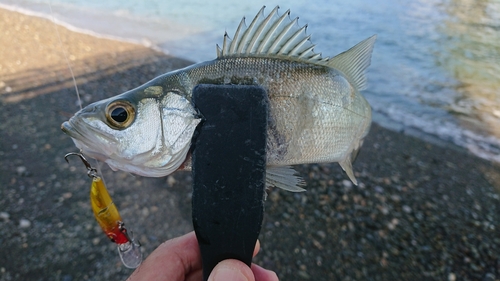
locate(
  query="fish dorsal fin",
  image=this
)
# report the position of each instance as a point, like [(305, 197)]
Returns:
[(273, 35), (354, 62)]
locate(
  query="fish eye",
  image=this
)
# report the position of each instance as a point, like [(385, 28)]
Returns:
[(120, 114)]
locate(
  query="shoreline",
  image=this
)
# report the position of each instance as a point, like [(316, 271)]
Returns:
[(421, 211), (72, 27)]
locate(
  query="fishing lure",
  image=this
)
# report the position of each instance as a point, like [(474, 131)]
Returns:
[(109, 218)]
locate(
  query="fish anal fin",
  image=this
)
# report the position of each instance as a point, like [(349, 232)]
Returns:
[(347, 167), (285, 178)]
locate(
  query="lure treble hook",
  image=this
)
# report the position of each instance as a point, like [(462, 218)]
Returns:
[(108, 217), (91, 171)]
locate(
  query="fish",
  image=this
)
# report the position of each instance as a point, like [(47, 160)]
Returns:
[(316, 111)]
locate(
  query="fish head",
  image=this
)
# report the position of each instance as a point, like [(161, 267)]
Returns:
[(146, 131)]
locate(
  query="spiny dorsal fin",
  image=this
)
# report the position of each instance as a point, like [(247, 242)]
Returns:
[(271, 35), (354, 62)]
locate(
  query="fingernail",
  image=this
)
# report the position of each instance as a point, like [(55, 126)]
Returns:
[(224, 272)]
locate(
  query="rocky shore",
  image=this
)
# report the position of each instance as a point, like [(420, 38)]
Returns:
[(420, 212)]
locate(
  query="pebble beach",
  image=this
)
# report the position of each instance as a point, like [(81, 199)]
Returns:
[(421, 211)]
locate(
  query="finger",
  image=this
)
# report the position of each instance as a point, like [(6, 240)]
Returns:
[(231, 269), (256, 249), (172, 260), (195, 276), (262, 274)]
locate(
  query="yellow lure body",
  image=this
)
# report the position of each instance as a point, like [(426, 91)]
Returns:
[(106, 213)]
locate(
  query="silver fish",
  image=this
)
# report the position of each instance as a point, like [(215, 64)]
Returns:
[(316, 111)]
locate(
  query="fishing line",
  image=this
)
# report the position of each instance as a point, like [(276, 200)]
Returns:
[(68, 64), (65, 54), (104, 209)]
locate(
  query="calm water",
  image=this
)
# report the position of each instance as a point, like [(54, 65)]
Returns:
[(435, 70)]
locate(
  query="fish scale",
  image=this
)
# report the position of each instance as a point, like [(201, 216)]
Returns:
[(308, 105), (316, 111)]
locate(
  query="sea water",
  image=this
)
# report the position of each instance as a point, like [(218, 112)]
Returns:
[(435, 69)]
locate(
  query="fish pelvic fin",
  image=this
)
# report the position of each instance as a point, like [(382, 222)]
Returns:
[(285, 178), (354, 62)]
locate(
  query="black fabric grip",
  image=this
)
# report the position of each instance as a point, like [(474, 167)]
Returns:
[(229, 168)]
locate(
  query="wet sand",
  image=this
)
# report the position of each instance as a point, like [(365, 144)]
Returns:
[(421, 211)]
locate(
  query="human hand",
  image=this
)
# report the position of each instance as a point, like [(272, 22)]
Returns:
[(179, 259)]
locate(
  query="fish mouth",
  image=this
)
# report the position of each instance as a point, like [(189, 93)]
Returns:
[(80, 140), (79, 130), (69, 130)]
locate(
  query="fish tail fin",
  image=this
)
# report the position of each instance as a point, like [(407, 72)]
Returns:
[(354, 62), (347, 167), (284, 177)]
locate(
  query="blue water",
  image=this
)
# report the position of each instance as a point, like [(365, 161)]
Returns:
[(435, 70)]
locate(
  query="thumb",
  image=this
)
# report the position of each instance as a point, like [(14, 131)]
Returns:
[(233, 270)]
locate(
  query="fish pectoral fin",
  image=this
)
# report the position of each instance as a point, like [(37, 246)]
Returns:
[(285, 178), (347, 167)]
